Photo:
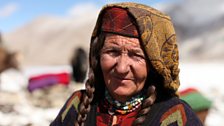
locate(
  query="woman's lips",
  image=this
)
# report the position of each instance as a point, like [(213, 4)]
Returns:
[(121, 78)]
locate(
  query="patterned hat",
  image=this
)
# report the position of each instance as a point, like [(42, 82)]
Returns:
[(116, 20)]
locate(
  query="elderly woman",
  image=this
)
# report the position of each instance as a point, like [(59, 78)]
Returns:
[(133, 73)]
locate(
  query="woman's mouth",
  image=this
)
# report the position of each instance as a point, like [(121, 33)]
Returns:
[(121, 78)]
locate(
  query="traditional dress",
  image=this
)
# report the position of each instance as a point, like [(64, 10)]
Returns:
[(172, 112)]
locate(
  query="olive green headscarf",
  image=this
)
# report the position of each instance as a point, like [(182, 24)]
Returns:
[(158, 37)]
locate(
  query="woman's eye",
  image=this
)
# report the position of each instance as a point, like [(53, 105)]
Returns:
[(136, 56), (113, 52)]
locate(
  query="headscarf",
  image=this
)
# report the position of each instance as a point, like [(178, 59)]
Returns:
[(157, 37)]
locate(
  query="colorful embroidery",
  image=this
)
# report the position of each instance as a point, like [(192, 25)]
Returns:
[(174, 114), (74, 101)]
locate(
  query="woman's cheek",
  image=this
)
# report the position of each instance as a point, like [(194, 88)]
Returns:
[(107, 62)]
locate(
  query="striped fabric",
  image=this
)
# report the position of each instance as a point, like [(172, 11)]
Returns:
[(48, 79)]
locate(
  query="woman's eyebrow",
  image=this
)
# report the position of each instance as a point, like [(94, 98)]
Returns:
[(137, 50)]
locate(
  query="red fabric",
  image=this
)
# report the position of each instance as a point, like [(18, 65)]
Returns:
[(117, 20), (188, 91), (45, 80), (63, 78), (105, 119)]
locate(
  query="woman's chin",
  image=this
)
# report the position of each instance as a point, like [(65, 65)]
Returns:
[(122, 95)]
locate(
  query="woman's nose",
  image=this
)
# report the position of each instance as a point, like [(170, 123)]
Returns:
[(123, 64)]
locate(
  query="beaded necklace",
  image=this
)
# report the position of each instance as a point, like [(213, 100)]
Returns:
[(123, 108)]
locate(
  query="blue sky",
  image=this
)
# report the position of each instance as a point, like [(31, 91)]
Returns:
[(15, 13)]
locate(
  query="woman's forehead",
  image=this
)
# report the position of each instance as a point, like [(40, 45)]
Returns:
[(119, 39)]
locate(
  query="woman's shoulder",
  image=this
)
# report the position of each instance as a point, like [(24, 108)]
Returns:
[(74, 99), (172, 111), (70, 108), (72, 103)]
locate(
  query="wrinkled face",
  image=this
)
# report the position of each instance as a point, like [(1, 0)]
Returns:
[(123, 65)]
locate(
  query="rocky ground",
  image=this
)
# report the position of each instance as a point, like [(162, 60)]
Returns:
[(19, 107), (38, 108)]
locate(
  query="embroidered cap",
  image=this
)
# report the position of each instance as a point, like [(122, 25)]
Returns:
[(116, 20)]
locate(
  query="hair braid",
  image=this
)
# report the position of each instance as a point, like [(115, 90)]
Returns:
[(151, 96), (86, 100)]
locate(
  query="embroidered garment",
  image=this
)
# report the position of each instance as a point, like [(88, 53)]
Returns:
[(104, 118), (172, 112)]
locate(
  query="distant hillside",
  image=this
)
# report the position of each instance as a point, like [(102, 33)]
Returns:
[(199, 27), (206, 47), (193, 18), (50, 40)]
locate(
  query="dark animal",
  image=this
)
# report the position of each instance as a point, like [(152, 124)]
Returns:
[(0, 39), (7, 59)]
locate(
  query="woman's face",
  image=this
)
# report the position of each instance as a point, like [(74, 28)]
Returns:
[(123, 65)]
